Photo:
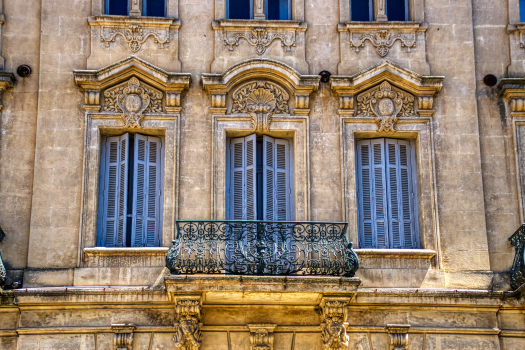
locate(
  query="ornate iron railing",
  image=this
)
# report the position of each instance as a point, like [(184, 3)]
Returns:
[(517, 273), (262, 248)]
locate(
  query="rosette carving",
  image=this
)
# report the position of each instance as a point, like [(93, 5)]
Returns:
[(260, 99)]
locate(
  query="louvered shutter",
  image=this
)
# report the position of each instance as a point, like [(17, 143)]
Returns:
[(243, 194), (115, 192), (147, 191), (400, 194), (276, 179), (372, 197)]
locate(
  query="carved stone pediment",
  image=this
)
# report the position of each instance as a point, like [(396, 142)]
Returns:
[(386, 92), (261, 88), (132, 88)]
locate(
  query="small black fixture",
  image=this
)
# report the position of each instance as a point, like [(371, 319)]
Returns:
[(490, 80), (24, 71), (325, 76)]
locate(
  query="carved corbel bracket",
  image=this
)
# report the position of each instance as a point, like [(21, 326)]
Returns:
[(334, 322), (188, 313), (7, 80), (385, 93), (123, 336), (133, 89), (261, 336), (513, 92), (302, 104), (398, 336), (382, 36), (218, 102)]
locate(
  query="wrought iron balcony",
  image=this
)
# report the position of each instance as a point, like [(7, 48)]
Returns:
[(262, 248), (517, 273)]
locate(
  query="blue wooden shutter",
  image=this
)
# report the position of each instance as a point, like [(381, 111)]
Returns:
[(147, 191), (115, 192), (276, 179), (243, 178), (372, 198), (403, 228), (269, 179)]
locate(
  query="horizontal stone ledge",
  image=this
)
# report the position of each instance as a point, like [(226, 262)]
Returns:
[(396, 253), (143, 251)]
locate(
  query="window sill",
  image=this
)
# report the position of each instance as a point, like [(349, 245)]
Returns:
[(125, 257), (375, 25), (237, 24), (396, 253), (112, 20)]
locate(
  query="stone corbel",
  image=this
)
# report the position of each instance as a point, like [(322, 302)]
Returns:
[(346, 105), (513, 91), (398, 336), (334, 322), (302, 104), (188, 313), (218, 102), (173, 101), (261, 336), (7, 80), (123, 336), (426, 105)]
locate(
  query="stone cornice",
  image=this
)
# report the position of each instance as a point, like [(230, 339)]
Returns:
[(108, 20)]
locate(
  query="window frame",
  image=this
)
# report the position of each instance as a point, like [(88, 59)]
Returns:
[(414, 11), (142, 4), (252, 13)]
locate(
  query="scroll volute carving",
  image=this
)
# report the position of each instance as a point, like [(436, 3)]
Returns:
[(123, 336), (261, 100)]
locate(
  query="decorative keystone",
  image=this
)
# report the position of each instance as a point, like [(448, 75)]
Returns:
[(398, 336)]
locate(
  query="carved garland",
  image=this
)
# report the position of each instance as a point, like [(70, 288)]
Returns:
[(135, 35), (382, 40), (132, 99), (261, 99), (260, 39), (385, 104)]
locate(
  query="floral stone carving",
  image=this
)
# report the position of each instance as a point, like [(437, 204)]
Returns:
[(132, 99), (261, 99), (382, 40), (135, 35), (333, 332), (188, 336), (260, 39), (385, 103)]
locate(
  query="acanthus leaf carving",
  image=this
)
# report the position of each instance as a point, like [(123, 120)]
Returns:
[(383, 40), (261, 100), (385, 103), (135, 35), (133, 99), (333, 329), (188, 336), (260, 39)]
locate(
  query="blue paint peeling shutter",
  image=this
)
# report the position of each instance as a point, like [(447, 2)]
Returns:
[(242, 182)]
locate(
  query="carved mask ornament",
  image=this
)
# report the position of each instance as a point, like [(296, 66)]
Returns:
[(334, 334), (188, 336), (133, 101), (261, 100)]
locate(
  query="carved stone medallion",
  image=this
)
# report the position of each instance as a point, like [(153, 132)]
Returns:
[(385, 103), (261, 99), (132, 99)]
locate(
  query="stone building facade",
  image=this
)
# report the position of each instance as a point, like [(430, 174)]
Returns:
[(401, 121)]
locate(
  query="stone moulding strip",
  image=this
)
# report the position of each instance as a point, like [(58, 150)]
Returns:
[(396, 253), (278, 329), (144, 251)]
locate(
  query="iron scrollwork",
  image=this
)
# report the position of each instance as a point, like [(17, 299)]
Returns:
[(262, 248), (517, 273)]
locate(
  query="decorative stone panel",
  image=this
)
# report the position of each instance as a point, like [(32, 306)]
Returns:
[(123, 336), (117, 37), (334, 323), (238, 40)]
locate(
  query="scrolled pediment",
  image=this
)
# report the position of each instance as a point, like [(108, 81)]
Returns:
[(386, 92), (132, 86)]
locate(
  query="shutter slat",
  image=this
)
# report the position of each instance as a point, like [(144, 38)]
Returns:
[(282, 186), (365, 195), (269, 178), (251, 181), (237, 179)]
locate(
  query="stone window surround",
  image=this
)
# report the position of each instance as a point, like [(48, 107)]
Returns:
[(172, 8), (296, 15), (418, 128), (293, 126), (99, 123)]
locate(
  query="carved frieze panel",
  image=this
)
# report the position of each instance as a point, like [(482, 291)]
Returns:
[(135, 35), (261, 100), (385, 103), (260, 39), (383, 40)]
